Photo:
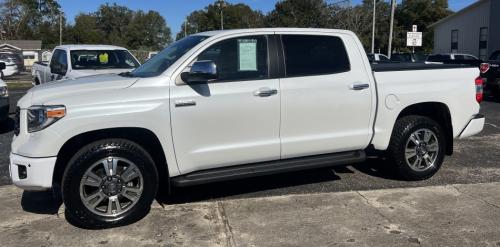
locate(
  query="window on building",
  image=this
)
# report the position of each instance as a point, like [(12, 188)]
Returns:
[(483, 43), (454, 41)]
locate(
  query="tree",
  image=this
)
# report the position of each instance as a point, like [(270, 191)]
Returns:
[(299, 13), (30, 19), (421, 13), (235, 16), (148, 30), (113, 20), (85, 30)]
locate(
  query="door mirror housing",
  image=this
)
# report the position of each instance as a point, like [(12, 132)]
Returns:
[(201, 71), (2, 65), (58, 69)]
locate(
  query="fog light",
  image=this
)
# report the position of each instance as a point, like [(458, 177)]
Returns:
[(21, 171)]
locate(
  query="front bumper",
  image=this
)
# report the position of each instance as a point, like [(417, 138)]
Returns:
[(31, 173), (476, 125)]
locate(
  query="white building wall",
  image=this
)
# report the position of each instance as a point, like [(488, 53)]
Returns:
[(468, 25)]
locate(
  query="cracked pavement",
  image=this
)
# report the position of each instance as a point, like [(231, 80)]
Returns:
[(451, 215)]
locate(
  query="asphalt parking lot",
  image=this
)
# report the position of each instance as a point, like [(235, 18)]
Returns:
[(476, 160)]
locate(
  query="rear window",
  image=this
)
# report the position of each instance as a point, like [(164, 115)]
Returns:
[(314, 55), (438, 58), (495, 56), (102, 59), (401, 57)]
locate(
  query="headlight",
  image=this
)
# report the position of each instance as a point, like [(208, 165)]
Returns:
[(4, 92), (41, 117)]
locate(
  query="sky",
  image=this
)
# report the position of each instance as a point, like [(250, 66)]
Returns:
[(175, 11)]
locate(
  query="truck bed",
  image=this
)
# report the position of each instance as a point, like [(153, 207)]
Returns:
[(383, 67)]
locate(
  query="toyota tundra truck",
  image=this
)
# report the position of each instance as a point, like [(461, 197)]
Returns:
[(233, 104)]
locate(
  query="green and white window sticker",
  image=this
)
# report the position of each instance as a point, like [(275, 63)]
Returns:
[(247, 54)]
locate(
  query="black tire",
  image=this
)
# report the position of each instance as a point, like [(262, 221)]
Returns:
[(404, 127), (77, 213)]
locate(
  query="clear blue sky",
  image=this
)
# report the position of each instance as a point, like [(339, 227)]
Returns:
[(175, 11)]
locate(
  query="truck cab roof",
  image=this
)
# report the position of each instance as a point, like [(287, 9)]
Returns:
[(89, 47), (278, 29)]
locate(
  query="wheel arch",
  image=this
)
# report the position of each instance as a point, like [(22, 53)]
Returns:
[(143, 137), (436, 111)]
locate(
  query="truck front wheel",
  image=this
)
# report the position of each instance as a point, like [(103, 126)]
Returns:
[(109, 183), (417, 147)]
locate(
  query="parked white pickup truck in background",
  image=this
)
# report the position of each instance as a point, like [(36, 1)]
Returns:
[(233, 104), (4, 100), (73, 61)]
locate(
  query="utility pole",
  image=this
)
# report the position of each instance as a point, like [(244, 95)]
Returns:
[(221, 6), (373, 25), (60, 28), (393, 7), (185, 29)]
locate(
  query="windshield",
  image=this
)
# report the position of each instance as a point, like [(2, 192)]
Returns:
[(102, 59), (161, 61)]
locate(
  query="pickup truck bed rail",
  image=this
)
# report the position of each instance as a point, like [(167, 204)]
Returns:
[(384, 67)]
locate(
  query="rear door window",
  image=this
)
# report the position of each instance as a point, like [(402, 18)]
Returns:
[(307, 55)]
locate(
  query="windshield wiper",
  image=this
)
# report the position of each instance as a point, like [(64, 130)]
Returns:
[(127, 74)]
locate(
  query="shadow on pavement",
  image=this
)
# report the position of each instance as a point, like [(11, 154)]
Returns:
[(40, 202), (377, 167), (372, 167), (249, 185)]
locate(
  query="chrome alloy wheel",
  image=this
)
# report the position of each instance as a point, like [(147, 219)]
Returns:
[(422, 149), (111, 186)]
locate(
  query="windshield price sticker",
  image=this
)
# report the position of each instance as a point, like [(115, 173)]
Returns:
[(247, 52)]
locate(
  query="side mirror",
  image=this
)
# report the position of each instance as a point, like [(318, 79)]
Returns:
[(2, 65), (58, 69), (201, 71)]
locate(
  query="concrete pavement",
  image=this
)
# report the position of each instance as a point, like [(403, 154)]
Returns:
[(452, 215)]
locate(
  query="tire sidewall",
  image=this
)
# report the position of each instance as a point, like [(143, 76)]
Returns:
[(89, 156), (423, 123)]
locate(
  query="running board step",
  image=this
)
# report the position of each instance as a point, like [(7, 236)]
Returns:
[(268, 168)]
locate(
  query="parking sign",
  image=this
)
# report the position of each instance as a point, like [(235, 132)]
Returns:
[(414, 39)]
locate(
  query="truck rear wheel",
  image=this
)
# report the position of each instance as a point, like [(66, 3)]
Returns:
[(109, 183), (417, 147)]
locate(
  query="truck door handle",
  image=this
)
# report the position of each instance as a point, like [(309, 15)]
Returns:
[(265, 92), (182, 103), (359, 86)]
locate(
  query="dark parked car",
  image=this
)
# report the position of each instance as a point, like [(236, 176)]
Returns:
[(490, 71), (13, 57), (454, 58), (408, 57)]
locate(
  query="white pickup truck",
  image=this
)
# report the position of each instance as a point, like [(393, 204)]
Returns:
[(73, 61), (233, 104), (4, 102)]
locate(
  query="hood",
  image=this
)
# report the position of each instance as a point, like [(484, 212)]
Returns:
[(80, 90)]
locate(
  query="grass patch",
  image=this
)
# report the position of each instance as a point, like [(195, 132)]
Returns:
[(15, 85)]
